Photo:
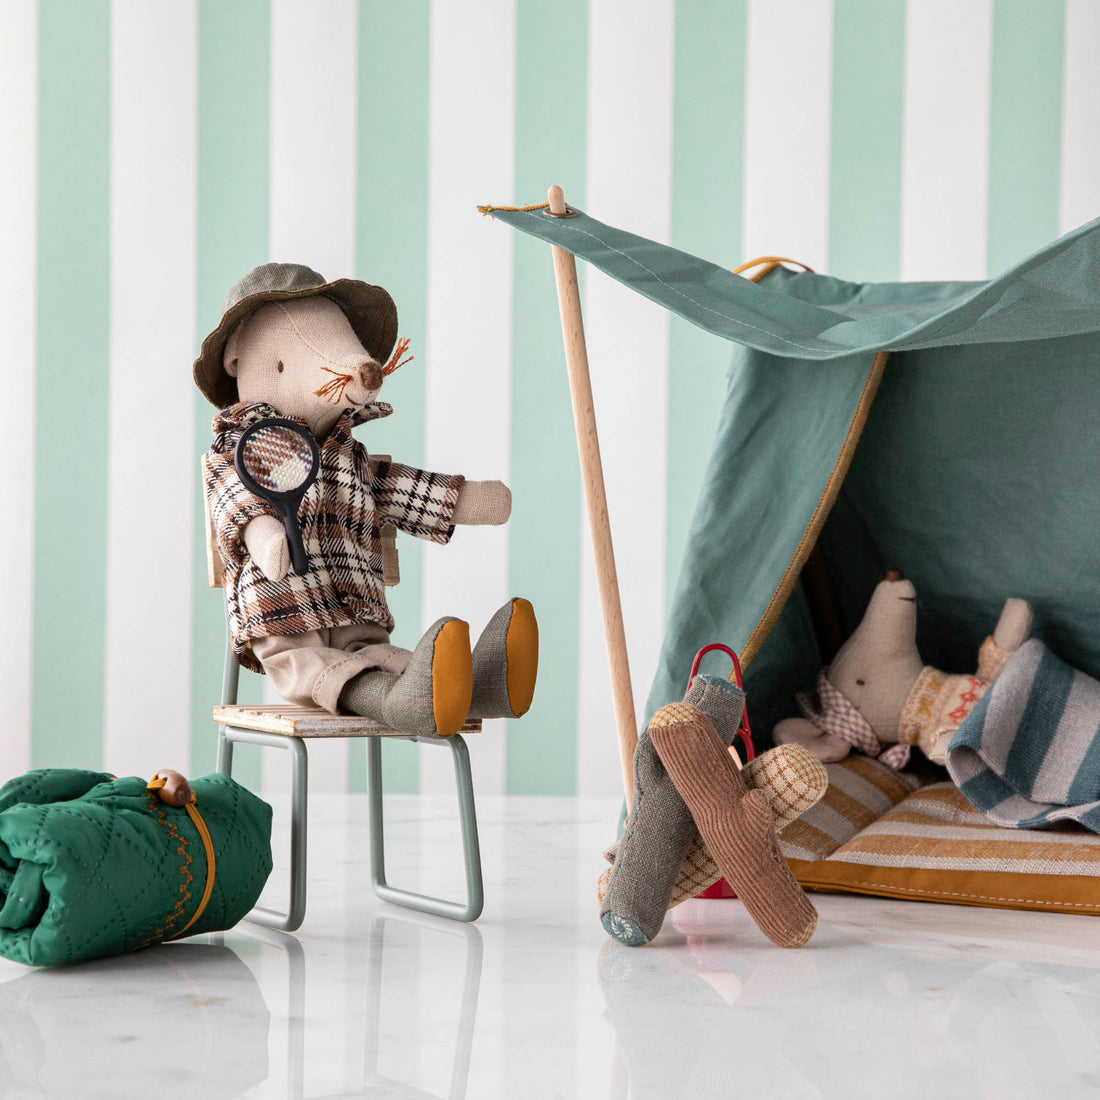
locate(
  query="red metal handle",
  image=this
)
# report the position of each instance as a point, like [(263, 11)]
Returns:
[(745, 729)]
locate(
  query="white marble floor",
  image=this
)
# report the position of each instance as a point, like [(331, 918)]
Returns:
[(890, 999)]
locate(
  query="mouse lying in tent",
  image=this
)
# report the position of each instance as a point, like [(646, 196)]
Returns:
[(1020, 738), (879, 697)]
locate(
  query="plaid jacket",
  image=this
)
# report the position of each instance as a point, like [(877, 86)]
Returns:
[(341, 517)]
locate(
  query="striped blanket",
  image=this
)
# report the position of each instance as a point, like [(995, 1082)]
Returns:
[(1028, 755)]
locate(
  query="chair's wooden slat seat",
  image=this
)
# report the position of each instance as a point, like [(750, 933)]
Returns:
[(309, 721)]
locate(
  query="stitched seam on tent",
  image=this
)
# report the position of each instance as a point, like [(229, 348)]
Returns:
[(667, 286), (821, 512)]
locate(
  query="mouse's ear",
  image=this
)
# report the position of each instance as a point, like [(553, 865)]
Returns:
[(233, 349)]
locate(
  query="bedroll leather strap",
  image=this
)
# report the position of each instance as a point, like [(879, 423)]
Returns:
[(173, 789)]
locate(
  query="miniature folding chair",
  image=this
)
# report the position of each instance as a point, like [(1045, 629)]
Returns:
[(283, 726)]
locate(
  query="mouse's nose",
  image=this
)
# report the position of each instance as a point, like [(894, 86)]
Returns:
[(370, 374)]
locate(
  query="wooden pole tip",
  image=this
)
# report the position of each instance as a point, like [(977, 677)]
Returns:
[(557, 200)]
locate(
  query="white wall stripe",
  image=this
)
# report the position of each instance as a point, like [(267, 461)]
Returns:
[(945, 150), (313, 119), (629, 183), (313, 109), (18, 243), (787, 129), (151, 469), (1080, 182), (467, 357)]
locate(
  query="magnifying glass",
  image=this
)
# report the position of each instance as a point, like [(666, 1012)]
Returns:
[(278, 460)]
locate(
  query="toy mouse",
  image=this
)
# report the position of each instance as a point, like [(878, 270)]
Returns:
[(292, 345), (879, 697)]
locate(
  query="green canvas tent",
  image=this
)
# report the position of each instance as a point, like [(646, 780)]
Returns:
[(950, 429)]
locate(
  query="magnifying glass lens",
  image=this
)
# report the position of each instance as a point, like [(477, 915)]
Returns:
[(278, 459)]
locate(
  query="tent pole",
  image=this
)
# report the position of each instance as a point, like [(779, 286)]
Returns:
[(595, 495)]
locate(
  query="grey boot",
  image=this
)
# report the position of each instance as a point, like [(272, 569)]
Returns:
[(432, 695), (506, 662)]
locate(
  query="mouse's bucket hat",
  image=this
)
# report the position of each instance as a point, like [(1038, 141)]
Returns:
[(369, 309)]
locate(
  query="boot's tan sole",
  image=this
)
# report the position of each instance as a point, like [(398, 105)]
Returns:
[(522, 646), (452, 677)]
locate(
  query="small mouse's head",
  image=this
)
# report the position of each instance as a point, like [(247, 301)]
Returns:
[(878, 665), (303, 359), (308, 348)]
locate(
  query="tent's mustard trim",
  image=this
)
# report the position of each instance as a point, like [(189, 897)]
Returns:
[(821, 513)]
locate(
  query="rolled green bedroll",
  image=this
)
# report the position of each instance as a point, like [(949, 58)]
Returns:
[(91, 865)]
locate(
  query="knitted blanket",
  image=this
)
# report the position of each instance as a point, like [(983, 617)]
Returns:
[(1028, 755)]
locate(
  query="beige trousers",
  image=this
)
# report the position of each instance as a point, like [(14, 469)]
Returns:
[(311, 668)]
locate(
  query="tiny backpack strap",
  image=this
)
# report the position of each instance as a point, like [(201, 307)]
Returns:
[(768, 264)]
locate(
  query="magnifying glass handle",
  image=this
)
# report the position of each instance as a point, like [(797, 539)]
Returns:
[(294, 539)]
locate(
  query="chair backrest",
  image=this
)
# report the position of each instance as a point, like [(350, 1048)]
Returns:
[(215, 568)]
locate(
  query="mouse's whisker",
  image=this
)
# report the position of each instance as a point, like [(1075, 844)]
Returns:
[(333, 389), (396, 359)]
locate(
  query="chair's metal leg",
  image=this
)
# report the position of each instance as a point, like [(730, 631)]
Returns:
[(231, 676), (299, 806), (225, 753), (471, 850), (231, 672), (375, 818), (467, 814)]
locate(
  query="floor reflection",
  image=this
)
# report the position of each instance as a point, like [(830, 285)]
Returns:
[(693, 1015), (891, 998), (398, 930), (290, 948), (421, 974), (185, 1018)]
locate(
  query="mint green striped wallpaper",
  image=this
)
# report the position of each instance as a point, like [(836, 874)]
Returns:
[(1025, 128), (74, 207), (234, 60), (531, 85), (865, 160), (391, 248), (545, 478)]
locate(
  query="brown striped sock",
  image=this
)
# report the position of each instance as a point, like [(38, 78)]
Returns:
[(736, 825)]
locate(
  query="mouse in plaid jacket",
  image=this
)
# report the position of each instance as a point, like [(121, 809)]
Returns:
[(292, 345)]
